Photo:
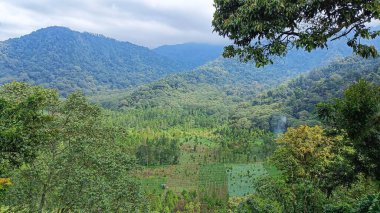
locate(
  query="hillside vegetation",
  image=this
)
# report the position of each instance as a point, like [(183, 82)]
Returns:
[(60, 58), (190, 55), (301, 135)]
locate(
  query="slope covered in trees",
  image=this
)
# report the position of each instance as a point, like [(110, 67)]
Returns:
[(67, 60), (221, 78), (190, 55), (250, 97), (296, 99)]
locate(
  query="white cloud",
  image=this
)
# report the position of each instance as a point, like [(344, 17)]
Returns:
[(146, 22), (374, 23)]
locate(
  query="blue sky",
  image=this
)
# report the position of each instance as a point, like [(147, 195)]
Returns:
[(146, 22)]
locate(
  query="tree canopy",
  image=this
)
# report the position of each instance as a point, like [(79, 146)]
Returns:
[(263, 29), (357, 114), (23, 121), (59, 156)]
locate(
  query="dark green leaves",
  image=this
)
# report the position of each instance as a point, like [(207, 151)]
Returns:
[(60, 157), (23, 121), (265, 29), (358, 115)]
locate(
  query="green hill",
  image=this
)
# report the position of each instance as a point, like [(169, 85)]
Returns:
[(251, 98), (190, 55), (67, 60), (294, 101)]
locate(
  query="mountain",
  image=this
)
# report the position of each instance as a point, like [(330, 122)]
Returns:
[(68, 60), (60, 58), (294, 102), (190, 55), (193, 55), (250, 97), (224, 77)]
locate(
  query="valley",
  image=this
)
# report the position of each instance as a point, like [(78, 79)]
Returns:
[(177, 128)]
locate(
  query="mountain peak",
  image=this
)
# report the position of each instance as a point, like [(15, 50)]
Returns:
[(54, 30)]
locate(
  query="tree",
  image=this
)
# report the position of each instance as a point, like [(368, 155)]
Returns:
[(304, 153), (370, 204), (79, 167), (261, 29), (308, 154), (309, 180), (357, 115), (161, 151), (23, 122)]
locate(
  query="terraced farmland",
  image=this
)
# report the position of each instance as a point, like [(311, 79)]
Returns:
[(198, 171)]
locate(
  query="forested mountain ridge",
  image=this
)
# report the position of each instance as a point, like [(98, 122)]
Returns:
[(68, 60), (296, 99), (190, 55), (58, 57), (252, 99), (229, 77)]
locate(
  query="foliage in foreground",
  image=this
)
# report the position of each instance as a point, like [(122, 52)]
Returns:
[(357, 115), (329, 170), (264, 29), (77, 165)]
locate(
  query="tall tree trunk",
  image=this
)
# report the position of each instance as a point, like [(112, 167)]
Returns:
[(43, 198)]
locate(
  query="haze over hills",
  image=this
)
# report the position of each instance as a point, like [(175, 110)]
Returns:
[(190, 55)]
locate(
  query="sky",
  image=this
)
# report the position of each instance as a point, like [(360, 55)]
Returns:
[(150, 23)]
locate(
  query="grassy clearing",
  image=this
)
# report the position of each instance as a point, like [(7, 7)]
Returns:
[(213, 181), (153, 184), (213, 174), (184, 177), (176, 178), (196, 150), (232, 180), (198, 171), (241, 177)]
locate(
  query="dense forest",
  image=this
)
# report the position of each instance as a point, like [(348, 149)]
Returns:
[(67, 60), (190, 55), (92, 124), (60, 58)]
